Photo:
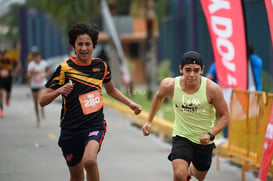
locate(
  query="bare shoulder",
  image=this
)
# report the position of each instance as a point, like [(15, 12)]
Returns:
[(213, 90), (212, 85), (167, 82), (166, 87)]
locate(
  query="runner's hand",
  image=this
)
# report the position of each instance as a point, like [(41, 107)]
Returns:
[(204, 139), (146, 129), (67, 88), (136, 108)]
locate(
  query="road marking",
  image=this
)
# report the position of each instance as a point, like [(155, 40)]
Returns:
[(52, 136)]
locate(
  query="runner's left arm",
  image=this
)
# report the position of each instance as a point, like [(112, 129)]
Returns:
[(112, 91)]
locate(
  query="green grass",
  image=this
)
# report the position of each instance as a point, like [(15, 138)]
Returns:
[(140, 97), (267, 85)]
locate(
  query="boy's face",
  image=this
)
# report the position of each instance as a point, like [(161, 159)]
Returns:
[(83, 48), (37, 57)]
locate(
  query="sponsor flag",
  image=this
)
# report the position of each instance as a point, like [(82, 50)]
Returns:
[(268, 149), (269, 9), (225, 22)]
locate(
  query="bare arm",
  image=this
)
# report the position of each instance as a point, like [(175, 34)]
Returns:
[(112, 91), (51, 94), (29, 76), (48, 72), (165, 89), (17, 69), (217, 99)]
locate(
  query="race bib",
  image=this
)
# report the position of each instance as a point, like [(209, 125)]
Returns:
[(38, 78), (4, 73), (91, 102)]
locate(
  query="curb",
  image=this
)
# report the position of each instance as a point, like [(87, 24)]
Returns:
[(160, 126)]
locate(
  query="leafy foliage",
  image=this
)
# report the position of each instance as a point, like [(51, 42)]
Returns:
[(164, 69), (10, 19), (67, 12)]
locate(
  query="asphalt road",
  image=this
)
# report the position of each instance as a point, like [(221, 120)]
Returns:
[(28, 153)]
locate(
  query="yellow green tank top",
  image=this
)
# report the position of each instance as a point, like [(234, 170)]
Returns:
[(194, 116)]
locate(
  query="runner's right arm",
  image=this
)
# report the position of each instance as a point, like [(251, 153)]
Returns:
[(51, 94), (165, 89)]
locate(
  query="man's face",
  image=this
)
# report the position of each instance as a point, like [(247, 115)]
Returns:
[(191, 72)]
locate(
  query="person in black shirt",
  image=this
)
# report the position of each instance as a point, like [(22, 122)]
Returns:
[(6, 73), (79, 80)]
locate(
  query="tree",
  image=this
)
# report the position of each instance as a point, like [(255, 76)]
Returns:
[(10, 20), (67, 12), (145, 9)]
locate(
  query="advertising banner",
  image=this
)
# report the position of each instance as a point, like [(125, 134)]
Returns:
[(225, 22), (269, 10), (268, 149)]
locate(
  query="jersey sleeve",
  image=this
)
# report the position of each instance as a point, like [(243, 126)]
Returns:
[(107, 73), (57, 79), (29, 67)]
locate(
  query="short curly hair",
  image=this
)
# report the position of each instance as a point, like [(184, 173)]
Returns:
[(83, 28)]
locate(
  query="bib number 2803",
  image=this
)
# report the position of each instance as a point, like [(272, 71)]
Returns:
[(91, 102)]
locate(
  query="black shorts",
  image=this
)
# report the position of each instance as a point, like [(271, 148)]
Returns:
[(5, 83), (35, 89), (199, 155), (73, 142)]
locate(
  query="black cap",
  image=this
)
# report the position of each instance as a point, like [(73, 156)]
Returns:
[(191, 57)]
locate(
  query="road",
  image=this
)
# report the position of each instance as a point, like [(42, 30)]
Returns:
[(28, 153)]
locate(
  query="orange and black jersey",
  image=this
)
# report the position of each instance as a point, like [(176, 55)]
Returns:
[(83, 106), (6, 66)]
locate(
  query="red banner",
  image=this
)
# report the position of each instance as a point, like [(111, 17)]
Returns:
[(268, 149), (225, 22), (269, 9)]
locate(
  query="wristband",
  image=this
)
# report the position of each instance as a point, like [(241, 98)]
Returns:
[(211, 136)]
